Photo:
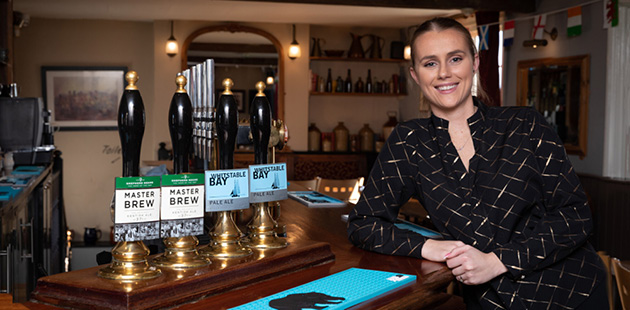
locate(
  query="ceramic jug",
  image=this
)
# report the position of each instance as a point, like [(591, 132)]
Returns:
[(316, 51), (376, 47), (356, 49), (91, 235)]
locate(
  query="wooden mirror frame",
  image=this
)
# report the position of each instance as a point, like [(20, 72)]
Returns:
[(239, 28), (583, 61)]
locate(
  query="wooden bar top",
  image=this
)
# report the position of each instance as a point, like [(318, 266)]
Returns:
[(314, 228)]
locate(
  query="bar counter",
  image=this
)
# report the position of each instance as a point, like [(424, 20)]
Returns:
[(311, 231)]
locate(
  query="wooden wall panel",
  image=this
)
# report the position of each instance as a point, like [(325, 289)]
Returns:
[(610, 204)]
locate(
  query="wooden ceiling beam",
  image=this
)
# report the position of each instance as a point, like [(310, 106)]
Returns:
[(517, 6)]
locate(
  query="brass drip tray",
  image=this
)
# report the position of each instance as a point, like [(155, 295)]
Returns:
[(83, 289)]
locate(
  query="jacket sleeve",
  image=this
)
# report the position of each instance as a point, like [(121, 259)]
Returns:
[(566, 222), (390, 184)]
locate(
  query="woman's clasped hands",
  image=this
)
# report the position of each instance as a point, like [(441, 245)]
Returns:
[(469, 265)]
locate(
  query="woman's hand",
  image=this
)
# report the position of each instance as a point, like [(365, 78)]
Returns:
[(472, 267), (436, 250)]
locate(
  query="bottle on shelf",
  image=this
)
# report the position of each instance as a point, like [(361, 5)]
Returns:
[(314, 138), (358, 88), (329, 82), (367, 138), (348, 87), (368, 83), (341, 138), (321, 85), (340, 85), (388, 127)]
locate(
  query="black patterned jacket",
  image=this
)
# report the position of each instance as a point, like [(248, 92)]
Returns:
[(520, 199)]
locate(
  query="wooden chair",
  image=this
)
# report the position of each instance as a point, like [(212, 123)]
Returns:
[(609, 278), (340, 189), (622, 273)]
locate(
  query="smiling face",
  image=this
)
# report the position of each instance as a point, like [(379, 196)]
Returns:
[(444, 69)]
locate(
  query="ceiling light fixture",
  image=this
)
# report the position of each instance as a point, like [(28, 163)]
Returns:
[(171, 45), (294, 48)]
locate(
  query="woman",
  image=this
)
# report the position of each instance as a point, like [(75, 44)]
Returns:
[(497, 184)]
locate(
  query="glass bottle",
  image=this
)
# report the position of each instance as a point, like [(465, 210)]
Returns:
[(329, 86), (314, 138), (388, 127), (340, 84), (367, 138), (341, 138), (348, 88), (359, 86), (368, 82), (321, 85)]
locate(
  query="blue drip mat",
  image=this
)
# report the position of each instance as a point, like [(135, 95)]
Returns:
[(30, 170), (418, 229), (337, 291), (15, 180), (7, 192)]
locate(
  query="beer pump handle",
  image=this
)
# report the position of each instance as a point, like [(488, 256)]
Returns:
[(226, 125), (260, 124), (131, 122), (180, 125)]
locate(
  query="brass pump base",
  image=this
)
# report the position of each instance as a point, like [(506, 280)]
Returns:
[(181, 253), (226, 241), (129, 263), (262, 230)]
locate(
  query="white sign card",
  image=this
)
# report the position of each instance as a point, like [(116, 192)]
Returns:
[(267, 182), (182, 208), (226, 190), (137, 209)]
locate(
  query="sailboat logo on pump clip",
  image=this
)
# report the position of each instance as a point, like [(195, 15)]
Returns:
[(236, 192), (276, 181)]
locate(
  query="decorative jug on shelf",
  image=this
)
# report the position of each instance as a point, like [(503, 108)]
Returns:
[(356, 49), (314, 138), (341, 138), (316, 51), (376, 48), (388, 127), (91, 235), (367, 138)]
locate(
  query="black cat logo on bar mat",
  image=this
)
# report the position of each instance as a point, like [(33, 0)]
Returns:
[(304, 301)]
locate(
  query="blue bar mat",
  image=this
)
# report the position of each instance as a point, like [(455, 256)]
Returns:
[(337, 291), (30, 170), (419, 229), (7, 192)]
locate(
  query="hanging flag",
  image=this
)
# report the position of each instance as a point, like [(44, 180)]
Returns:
[(483, 37), (611, 13), (539, 26), (574, 21), (508, 33)]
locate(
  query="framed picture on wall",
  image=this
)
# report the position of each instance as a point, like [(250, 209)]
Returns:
[(83, 98), (239, 97)]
